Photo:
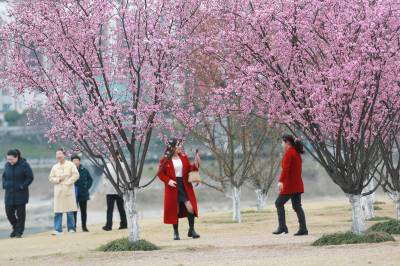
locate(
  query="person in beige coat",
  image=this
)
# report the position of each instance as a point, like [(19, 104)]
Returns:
[(63, 175)]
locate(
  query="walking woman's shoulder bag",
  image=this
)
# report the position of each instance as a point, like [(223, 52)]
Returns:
[(194, 177)]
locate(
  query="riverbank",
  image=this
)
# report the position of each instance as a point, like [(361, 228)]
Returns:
[(221, 242)]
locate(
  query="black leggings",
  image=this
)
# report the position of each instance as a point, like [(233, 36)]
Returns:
[(16, 215), (83, 209)]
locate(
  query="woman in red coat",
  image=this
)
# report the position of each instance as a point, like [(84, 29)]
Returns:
[(179, 199), (291, 185)]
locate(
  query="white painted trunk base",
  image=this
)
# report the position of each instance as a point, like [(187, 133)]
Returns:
[(132, 215), (261, 199), (358, 226), (395, 196), (236, 216), (368, 201)]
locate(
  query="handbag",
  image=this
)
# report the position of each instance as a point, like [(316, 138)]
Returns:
[(194, 177)]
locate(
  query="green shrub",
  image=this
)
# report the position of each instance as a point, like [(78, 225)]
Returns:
[(377, 208), (124, 245), (379, 203), (350, 238), (391, 227)]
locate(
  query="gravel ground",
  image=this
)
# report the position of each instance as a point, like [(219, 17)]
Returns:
[(222, 242)]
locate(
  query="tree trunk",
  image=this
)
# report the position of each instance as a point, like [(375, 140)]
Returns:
[(358, 226), (132, 214), (236, 217), (368, 202), (396, 201), (261, 199)]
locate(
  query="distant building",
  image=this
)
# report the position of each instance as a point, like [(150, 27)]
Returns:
[(12, 103)]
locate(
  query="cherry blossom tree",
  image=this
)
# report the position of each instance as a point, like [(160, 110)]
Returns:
[(110, 71), (325, 68)]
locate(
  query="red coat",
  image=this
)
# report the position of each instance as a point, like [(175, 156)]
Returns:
[(171, 194), (291, 173)]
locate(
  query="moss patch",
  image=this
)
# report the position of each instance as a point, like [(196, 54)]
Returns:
[(350, 238), (123, 244), (391, 227), (379, 218)]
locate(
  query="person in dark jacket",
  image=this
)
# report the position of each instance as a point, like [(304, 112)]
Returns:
[(291, 185), (17, 177), (82, 187)]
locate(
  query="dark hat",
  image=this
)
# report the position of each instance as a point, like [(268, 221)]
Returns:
[(75, 156)]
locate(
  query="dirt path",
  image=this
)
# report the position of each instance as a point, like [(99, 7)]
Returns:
[(221, 243)]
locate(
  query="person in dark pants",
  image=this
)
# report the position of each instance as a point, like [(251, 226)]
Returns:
[(113, 197), (291, 185), (17, 178), (82, 187)]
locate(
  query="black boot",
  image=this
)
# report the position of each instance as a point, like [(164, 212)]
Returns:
[(176, 232), (282, 228), (302, 233), (302, 222), (192, 233), (84, 228)]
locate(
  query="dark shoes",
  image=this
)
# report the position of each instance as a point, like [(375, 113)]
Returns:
[(176, 236), (302, 233), (192, 233), (122, 227), (280, 231), (84, 229), (105, 228), (15, 235)]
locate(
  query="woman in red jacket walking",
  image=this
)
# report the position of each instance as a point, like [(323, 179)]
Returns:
[(291, 185), (179, 199)]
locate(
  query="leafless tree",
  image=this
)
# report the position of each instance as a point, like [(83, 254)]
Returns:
[(389, 145), (267, 167), (238, 147)]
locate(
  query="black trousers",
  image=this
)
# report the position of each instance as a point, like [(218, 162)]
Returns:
[(296, 204), (111, 199), (16, 215), (83, 208)]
